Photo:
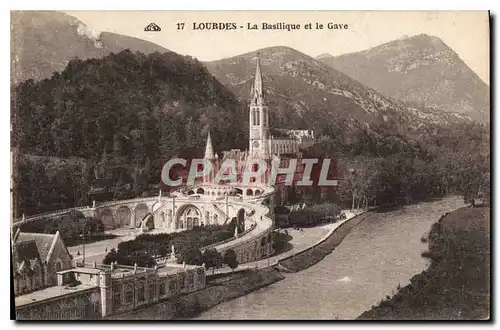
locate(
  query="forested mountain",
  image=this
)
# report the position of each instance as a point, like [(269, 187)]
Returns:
[(45, 41), (420, 70), (127, 113), (386, 151), (302, 92)]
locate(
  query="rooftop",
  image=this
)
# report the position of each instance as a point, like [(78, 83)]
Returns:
[(42, 242), (169, 270), (121, 271), (50, 292), (81, 270)]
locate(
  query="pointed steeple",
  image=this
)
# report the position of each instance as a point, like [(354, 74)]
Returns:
[(257, 91), (209, 150)]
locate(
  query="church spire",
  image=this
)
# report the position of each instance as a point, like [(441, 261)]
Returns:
[(209, 150), (257, 90)]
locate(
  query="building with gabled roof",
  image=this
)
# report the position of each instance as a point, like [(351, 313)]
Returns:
[(36, 259)]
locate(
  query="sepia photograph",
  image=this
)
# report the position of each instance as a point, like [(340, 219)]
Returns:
[(250, 165)]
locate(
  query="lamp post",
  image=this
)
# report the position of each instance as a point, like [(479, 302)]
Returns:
[(82, 226), (83, 248), (227, 209), (354, 192)]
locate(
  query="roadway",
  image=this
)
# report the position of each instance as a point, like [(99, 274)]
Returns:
[(302, 239)]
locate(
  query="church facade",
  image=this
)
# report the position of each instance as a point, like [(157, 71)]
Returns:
[(36, 260), (262, 145), (268, 145)]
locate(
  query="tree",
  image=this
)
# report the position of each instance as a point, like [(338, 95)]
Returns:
[(212, 259), (112, 256), (191, 256), (93, 226), (156, 108), (231, 259)]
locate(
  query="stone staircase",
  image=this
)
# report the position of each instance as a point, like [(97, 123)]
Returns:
[(221, 213)]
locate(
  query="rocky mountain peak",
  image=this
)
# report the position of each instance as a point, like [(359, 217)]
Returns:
[(420, 70), (323, 55)]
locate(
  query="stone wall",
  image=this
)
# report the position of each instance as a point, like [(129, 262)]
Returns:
[(131, 293), (80, 305), (190, 305)]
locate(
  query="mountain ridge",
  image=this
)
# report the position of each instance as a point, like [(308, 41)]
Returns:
[(43, 42), (306, 93), (420, 70)]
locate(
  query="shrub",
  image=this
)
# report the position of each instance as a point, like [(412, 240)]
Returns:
[(230, 259)]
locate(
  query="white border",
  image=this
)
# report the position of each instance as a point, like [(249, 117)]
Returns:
[(185, 5)]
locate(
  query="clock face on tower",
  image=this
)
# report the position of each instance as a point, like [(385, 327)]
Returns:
[(255, 144)]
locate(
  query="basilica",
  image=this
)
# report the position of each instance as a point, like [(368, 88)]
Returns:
[(277, 146), (49, 285)]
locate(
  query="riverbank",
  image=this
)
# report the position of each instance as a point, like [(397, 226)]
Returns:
[(456, 284), (297, 249), (225, 287), (193, 304), (377, 254), (320, 250)]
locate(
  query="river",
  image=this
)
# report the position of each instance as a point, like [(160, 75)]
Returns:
[(377, 255)]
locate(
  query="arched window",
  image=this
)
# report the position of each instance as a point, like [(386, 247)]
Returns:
[(140, 292), (192, 217), (263, 246), (129, 294)]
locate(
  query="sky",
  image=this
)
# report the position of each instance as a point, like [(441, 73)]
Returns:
[(466, 32)]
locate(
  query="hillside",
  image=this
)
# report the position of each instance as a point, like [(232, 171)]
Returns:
[(127, 114), (114, 42), (456, 286), (305, 93), (116, 101), (45, 41), (421, 70)]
